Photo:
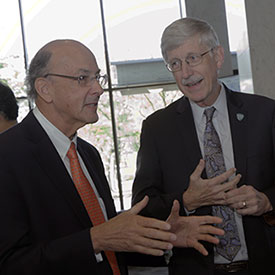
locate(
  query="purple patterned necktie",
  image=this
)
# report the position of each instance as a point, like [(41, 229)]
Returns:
[(229, 244)]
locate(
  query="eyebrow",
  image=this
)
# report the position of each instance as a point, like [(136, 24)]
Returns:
[(85, 71), (188, 54)]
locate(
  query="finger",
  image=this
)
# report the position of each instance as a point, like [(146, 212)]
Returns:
[(198, 246), (176, 207), (139, 206), (224, 191), (152, 243), (234, 198), (208, 238), (209, 229), (209, 219), (174, 211), (198, 170), (232, 184), (156, 234), (242, 204), (224, 176), (239, 195), (236, 201), (153, 223), (252, 210), (148, 251)]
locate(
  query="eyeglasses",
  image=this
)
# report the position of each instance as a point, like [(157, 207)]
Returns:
[(192, 60), (84, 80)]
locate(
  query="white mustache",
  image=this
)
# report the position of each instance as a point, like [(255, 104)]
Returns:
[(191, 80)]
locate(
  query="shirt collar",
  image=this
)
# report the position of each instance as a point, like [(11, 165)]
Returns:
[(60, 141), (219, 104)]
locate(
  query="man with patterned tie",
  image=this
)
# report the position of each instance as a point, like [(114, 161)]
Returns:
[(213, 150), (57, 213)]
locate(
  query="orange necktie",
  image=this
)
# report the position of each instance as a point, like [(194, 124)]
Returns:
[(89, 200)]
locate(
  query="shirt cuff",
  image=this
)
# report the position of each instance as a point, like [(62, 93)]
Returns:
[(188, 213), (98, 257)]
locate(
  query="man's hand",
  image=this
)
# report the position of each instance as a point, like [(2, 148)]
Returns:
[(248, 201), (202, 192), (190, 230), (131, 232)]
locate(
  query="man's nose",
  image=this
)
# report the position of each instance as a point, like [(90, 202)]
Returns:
[(97, 87), (186, 70)]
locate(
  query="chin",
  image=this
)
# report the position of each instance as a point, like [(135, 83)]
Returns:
[(196, 97), (89, 117)]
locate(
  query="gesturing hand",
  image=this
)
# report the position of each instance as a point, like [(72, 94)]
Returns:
[(190, 230), (248, 201), (201, 192), (131, 232)]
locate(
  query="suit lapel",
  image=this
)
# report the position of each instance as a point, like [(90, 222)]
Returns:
[(186, 126), (238, 119), (54, 168)]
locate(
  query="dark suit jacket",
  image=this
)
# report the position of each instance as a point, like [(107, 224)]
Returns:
[(44, 225), (170, 152)]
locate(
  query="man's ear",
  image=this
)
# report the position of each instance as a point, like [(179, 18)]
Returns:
[(42, 87), (219, 56)]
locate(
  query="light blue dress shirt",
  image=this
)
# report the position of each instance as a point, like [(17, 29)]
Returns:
[(222, 126), (62, 144)]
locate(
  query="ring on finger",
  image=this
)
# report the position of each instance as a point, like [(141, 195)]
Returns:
[(244, 204)]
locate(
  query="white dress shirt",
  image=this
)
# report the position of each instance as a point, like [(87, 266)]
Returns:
[(62, 144), (222, 126)]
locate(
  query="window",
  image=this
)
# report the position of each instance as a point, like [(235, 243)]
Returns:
[(140, 82)]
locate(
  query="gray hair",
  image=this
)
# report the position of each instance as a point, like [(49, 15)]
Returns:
[(37, 68), (182, 29)]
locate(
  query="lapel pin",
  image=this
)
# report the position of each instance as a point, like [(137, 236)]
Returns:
[(240, 116)]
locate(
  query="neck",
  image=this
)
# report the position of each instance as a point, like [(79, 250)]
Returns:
[(212, 97), (66, 127)]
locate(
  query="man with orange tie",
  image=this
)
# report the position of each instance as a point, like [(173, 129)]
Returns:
[(57, 213)]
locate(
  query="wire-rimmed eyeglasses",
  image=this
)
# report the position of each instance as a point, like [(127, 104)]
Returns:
[(84, 80), (192, 60)]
